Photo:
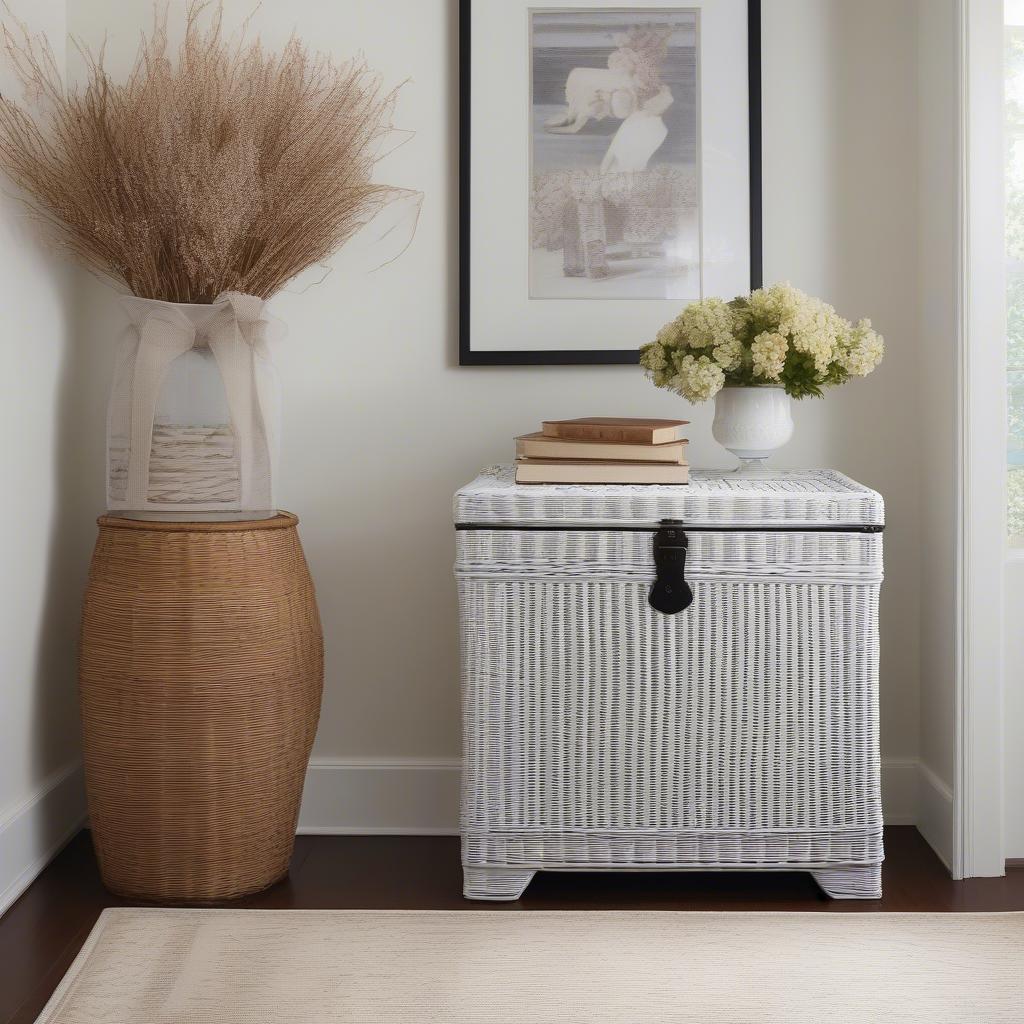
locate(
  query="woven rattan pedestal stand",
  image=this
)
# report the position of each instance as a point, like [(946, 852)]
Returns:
[(201, 672)]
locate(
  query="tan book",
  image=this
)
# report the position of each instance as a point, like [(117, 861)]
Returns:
[(554, 471), (618, 430), (540, 446)]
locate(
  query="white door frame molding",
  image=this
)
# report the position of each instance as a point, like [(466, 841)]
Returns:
[(981, 431)]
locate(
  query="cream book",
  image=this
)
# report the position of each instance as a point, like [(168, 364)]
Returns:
[(544, 471), (540, 446), (619, 430)]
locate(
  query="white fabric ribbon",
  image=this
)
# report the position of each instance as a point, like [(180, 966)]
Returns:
[(235, 327)]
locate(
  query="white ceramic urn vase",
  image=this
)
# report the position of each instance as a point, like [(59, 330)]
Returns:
[(752, 422)]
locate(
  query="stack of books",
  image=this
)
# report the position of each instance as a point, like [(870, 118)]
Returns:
[(601, 450)]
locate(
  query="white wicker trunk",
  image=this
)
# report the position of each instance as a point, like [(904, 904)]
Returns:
[(739, 733)]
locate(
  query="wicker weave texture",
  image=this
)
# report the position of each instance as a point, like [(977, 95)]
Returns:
[(591, 556), (789, 498), (600, 733), (201, 672)]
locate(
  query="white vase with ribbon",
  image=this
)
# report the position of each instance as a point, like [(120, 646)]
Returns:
[(194, 416), (752, 422)]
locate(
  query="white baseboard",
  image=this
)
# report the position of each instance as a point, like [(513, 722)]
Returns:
[(935, 814), (374, 796), (34, 832), (421, 797), (392, 797)]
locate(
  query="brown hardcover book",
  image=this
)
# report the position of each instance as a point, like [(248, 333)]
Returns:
[(544, 471), (618, 430), (540, 446)]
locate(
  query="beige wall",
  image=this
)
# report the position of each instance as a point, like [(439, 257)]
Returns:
[(936, 202), (381, 425), (840, 221), (37, 734), (45, 532)]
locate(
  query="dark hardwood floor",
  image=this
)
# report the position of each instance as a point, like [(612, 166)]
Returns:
[(41, 934)]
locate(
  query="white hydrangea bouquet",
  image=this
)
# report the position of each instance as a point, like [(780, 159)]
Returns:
[(774, 336), (755, 353)]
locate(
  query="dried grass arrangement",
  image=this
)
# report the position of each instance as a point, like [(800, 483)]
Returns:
[(231, 169)]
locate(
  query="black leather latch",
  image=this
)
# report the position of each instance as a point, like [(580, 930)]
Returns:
[(670, 592)]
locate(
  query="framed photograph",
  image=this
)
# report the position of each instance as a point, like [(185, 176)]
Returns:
[(610, 172)]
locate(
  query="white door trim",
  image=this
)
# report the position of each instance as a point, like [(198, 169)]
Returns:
[(981, 432)]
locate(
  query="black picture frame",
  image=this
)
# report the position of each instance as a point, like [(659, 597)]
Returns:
[(589, 357)]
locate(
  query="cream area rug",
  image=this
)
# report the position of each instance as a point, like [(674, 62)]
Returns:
[(538, 967)]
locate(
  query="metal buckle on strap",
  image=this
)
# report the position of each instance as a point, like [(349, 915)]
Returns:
[(670, 593)]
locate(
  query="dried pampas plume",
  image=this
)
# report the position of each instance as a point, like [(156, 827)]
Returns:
[(230, 168)]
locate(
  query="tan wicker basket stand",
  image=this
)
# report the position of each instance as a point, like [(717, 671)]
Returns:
[(201, 671)]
